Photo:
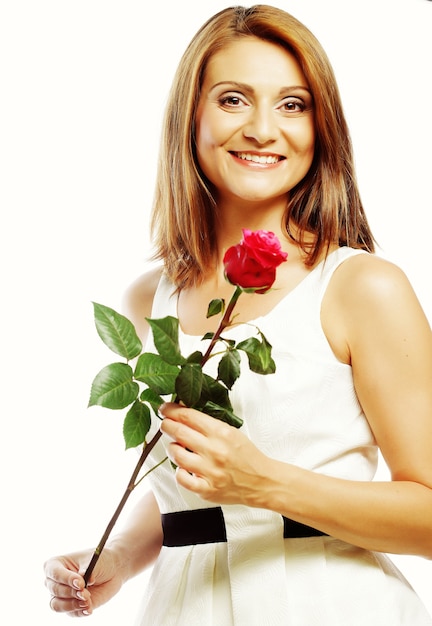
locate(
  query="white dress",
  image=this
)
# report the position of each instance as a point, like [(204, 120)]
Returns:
[(307, 414)]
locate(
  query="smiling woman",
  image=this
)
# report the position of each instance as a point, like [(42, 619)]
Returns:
[(296, 529), (324, 203)]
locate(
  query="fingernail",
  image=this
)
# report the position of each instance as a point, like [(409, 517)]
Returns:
[(86, 612), (80, 596), (76, 583)]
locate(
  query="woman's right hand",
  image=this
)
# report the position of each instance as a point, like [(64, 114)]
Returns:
[(64, 580)]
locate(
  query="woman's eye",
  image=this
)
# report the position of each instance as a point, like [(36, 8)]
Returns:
[(230, 101), (294, 105)]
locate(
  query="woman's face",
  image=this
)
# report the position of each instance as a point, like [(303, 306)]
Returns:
[(254, 125)]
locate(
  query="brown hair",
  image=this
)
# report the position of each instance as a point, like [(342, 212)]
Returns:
[(326, 203)]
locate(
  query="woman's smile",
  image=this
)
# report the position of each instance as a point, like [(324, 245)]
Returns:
[(257, 158)]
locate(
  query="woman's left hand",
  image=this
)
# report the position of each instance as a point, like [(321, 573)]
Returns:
[(214, 460)]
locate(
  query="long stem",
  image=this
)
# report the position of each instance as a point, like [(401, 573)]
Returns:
[(225, 321), (131, 486)]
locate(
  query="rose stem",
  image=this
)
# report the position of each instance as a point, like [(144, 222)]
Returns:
[(225, 321), (131, 486)]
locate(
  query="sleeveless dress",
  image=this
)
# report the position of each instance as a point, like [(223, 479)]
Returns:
[(306, 414)]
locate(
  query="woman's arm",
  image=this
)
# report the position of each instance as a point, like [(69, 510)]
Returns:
[(138, 544), (138, 300), (379, 326), (140, 540), (127, 554)]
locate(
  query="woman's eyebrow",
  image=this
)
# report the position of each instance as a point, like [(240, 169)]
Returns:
[(249, 88)]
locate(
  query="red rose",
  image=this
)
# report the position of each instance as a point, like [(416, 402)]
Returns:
[(252, 263), (264, 247)]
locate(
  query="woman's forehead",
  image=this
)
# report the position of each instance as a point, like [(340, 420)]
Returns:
[(250, 60)]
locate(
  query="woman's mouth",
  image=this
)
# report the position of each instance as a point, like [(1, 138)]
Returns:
[(255, 157)]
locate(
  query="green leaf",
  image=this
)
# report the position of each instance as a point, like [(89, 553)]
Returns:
[(214, 391), (207, 336), (152, 398), (113, 387), (195, 357), (165, 335), (215, 307), (229, 342), (229, 368), (188, 384), (136, 424), (223, 414), (155, 372), (117, 332), (259, 355)]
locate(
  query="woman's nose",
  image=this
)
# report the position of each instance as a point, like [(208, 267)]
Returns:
[(261, 126)]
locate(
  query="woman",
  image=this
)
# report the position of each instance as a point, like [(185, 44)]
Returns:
[(296, 531)]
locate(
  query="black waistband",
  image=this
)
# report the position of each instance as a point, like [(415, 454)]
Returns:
[(187, 528)]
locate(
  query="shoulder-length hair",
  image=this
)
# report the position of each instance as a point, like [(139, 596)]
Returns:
[(325, 204)]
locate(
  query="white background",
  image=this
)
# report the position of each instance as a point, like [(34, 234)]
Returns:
[(83, 86)]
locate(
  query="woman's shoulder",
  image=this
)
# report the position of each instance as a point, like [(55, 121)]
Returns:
[(369, 277), (138, 298), (367, 294)]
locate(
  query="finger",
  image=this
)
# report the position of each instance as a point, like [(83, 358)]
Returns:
[(73, 608), (65, 572), (66, 600), (66, 591), (62, 591), (190, 417), (183, 435), (65, 586), (186, 458), (194, 483)]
